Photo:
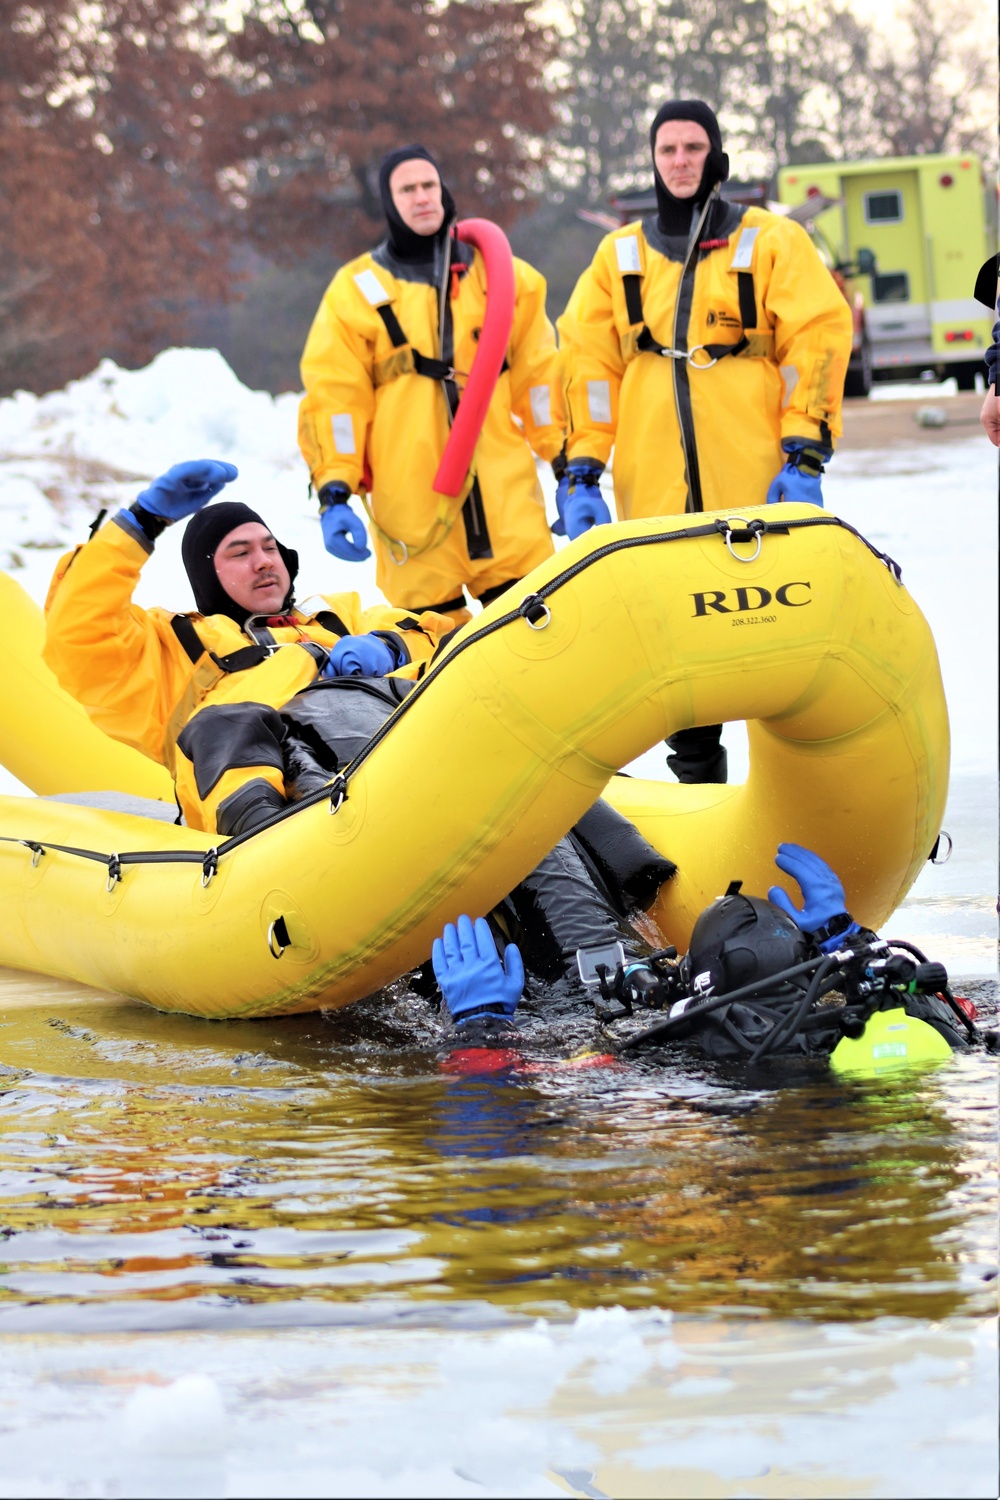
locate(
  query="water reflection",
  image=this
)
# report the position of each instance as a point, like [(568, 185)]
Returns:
[(159, 1168)]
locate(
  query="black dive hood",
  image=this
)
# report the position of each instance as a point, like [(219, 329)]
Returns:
[(674, 214), (202, 537), (739, 940), (404, 242)]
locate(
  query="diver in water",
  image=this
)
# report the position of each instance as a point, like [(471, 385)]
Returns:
[(754, 984)]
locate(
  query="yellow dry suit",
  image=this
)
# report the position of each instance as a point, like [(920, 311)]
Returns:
[(199, 695), (384, 364), (694, 358)]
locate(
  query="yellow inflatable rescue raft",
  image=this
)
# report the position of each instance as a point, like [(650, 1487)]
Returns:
[(780, 616)]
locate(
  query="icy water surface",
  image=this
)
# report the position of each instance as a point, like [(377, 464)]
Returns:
[(310, 1258), (163, 1171)]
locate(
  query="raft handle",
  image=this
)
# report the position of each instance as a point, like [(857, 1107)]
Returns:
[(277, 937), (535, 610), (751, 531), (114, 871), (209, 867)]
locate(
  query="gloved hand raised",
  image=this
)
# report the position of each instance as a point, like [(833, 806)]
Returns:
[(799, 479), (186, 488), (343, 533), (579, 500), (467, 967), (360, 656), (822, 894)]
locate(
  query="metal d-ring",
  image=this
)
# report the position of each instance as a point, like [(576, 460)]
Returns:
[(695, 364), (36, 851), (114, 871), (276, 947), (392, 544), (209, 867), (937, 845), (757, 536), (541, 620), (338, 795)]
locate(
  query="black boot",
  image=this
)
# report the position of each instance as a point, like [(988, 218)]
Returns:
[(698, 754)]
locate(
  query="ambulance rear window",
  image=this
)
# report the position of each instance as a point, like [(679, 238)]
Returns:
[(883, 208), (891, 286)]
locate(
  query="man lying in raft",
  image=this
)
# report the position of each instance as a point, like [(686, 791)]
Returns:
[(246, 728), (757, 982), (199, 693)]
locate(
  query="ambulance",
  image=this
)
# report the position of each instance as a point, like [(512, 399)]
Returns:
[(914, 231)]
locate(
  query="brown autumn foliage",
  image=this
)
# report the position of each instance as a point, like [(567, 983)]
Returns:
[(142, 145)]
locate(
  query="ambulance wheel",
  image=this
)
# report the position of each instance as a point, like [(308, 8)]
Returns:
[(965, 374)]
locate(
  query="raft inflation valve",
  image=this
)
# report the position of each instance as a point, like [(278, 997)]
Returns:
[(277, 937), (535, 610)]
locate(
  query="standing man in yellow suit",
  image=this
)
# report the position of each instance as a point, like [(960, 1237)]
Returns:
[(708, 346), (383, 369)]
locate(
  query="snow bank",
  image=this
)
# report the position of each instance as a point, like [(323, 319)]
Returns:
[(65, 455)]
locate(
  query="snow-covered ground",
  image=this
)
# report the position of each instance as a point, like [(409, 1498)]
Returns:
[(933, 507)]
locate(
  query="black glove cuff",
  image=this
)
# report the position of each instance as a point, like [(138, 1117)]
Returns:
[(809, 461), (833, 928), (334, 493), (153, 526)]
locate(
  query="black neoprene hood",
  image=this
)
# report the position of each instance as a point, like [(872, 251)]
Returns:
[(404, 242), (203, 535), (675, 213)]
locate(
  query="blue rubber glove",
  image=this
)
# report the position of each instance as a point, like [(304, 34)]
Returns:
[(579, 500), (186, 488), (800, 478), (360, 656), (822, 894), (343, 533), (467, 967)]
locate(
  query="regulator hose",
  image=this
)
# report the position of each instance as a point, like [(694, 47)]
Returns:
[(493, 245)]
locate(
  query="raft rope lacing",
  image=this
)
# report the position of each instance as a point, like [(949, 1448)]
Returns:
[(533, 610)]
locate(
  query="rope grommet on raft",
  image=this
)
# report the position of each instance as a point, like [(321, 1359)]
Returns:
[(209, 866), (338, 794), (114, 871), (277, 937), (751, 531), (535, 610)]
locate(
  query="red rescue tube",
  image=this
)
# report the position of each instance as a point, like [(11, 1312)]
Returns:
[(491, 351)]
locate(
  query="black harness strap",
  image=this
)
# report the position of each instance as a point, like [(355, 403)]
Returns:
[(236, 661), (434, 369), (647, 344), (748, 300), (331, 622)]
